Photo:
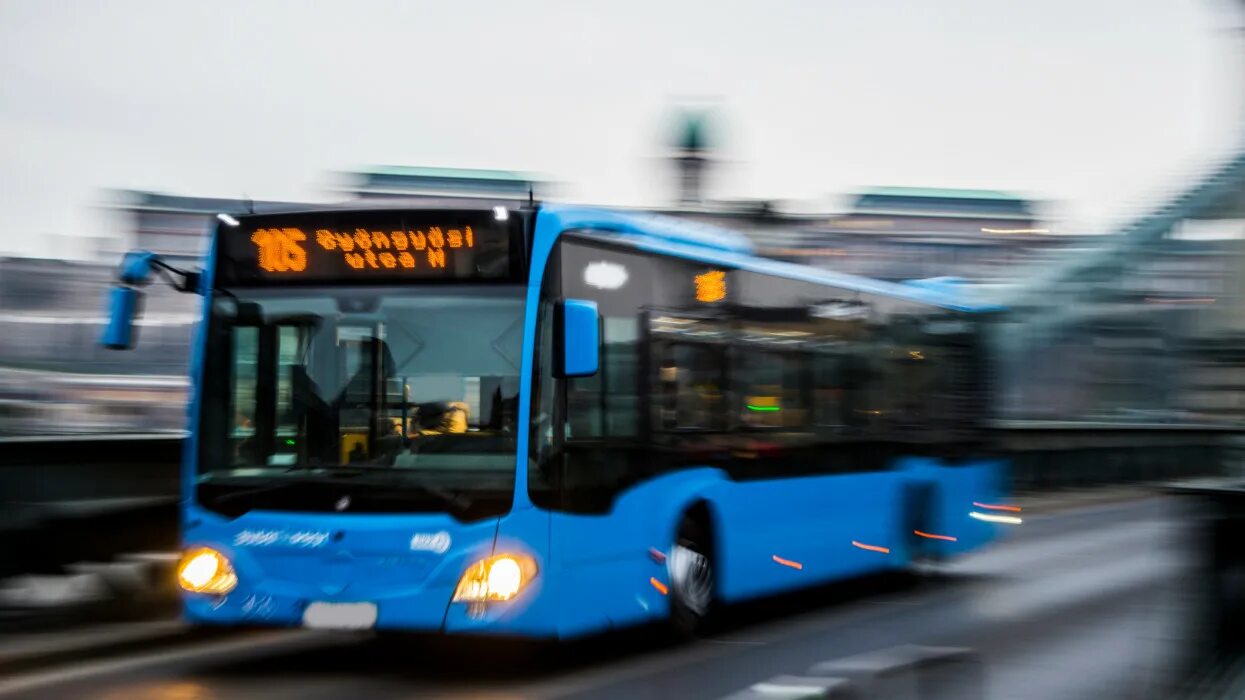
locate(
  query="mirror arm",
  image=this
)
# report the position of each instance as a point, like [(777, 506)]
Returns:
[(138, 268), (184, 281)]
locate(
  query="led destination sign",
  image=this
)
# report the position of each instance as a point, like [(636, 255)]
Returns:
[(360, 246)]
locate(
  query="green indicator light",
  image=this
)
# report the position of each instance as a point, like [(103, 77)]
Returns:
[(766, 409), (289, 442)]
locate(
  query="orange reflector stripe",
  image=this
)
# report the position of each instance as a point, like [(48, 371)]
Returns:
[(987, 506), (948, 538), (661, 587), (871, 547), (787, 562)]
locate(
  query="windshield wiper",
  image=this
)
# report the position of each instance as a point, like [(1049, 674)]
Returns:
[(257, 491), (456, 500)]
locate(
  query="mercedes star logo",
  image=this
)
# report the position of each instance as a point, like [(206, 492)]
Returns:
[(342, 503)]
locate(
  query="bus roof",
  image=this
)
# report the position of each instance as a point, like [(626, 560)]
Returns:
[(707, 243)]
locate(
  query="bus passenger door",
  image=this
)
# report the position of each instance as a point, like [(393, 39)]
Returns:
[(601, 523), (602, 529)]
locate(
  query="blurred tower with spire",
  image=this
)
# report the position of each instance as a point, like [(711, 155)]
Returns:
[(691, 157)]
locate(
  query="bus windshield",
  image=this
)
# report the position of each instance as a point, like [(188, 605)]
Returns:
[(409, 385)]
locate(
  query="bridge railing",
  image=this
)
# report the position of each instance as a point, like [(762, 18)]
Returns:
[(1048, 455)]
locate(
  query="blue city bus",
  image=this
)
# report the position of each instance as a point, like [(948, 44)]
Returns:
[(550, 421)]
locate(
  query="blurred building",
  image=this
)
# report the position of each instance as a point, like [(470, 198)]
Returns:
[(691, 158), (54, 376), (440, 185), (51, 312), (174, 226), (925, 210), (899, 233), (1143, 325), (1147, 325)]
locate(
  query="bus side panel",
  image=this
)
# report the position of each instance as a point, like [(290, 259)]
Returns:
[(609, 570), (782, 534), (956, 488)]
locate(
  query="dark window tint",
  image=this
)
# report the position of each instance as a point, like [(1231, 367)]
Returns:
[(770, 385), (692, 393)]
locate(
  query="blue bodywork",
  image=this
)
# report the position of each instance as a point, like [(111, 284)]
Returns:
[(596, 572), (123, 303)]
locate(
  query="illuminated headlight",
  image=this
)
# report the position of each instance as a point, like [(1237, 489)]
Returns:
[(206, 571), (499, 577)]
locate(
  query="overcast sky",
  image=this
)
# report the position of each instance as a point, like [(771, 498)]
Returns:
[(1097, 105)]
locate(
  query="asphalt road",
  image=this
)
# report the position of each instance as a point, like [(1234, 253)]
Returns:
[(1087, 603)]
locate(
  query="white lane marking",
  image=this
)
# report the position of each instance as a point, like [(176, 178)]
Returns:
[(249, 643), (785, 691), (890, 659)]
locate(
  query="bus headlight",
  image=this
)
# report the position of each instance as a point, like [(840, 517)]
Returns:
[(499, 577), (206, 570)]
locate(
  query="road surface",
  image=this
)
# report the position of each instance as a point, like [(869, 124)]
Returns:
[(1088, 603)]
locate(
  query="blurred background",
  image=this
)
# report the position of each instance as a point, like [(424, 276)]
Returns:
[(1069, 160), (1081, 163)]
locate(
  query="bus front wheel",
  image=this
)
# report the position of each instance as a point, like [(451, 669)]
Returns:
[(690, 567)]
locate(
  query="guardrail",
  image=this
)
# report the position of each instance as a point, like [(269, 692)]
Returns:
[(71, 498), (1051, 455), (1044, 454)]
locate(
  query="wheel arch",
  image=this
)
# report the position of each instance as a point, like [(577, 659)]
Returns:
[(695, 493)]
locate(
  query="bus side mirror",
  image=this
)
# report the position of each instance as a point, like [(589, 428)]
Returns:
[(581, 338), (123, 303), (137, 267)]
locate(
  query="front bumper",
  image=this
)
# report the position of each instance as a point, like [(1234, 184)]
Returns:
[(287, 562), (428, 610)]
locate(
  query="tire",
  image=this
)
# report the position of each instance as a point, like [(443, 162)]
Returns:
[(690, 570)]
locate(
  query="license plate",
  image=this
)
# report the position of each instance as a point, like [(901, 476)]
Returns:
[(340, 616)]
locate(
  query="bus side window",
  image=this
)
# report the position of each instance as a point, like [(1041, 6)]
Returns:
[(290, 354), (245, 376), (607, 403), (544, 399), (544, 473), (604, 450), (620, 362), (771, 390), (860, 391), (691, 381), (584, 409), (828, 394), (912, 382)]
